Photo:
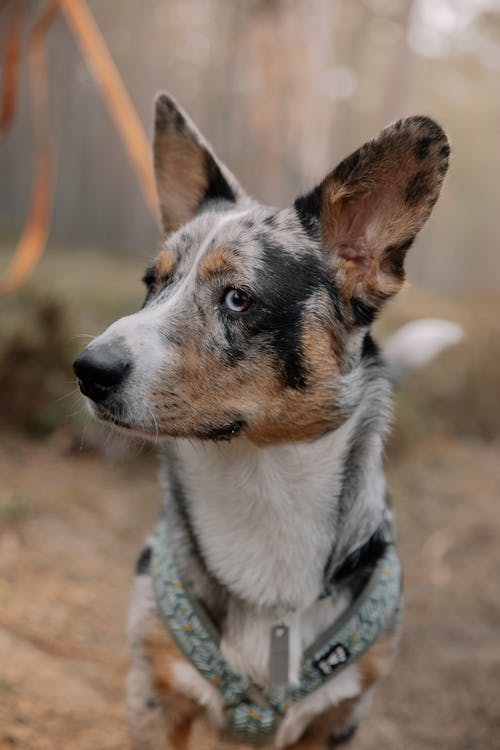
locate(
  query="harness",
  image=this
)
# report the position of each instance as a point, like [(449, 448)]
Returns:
[(253, 711)]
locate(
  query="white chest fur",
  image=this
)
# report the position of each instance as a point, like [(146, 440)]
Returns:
[(265, 517)]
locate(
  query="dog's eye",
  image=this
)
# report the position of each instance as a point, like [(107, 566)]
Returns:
[(237, 300)]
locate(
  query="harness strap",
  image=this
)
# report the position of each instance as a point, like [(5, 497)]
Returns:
[(254, 712)]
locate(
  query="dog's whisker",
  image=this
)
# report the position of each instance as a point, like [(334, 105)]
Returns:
[(74, 392), (75, 411), (155, 422), (85, 427)]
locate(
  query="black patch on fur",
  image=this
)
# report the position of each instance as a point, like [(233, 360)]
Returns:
[(343, 172), (308, 209), (395, 256), (181, 508), (427, 132), (417, 188), (143, 561), (166, 113), (201, 312), (422, 148), (233, 352), (234, 349), (364, 314), (270, 221), (179, 121), (163, 109), (445, 150), (218, 187), (370, 424), (181, 505), (225, 432), (155, 289), (362, 561), (426, 123), (285, 282), (369, 348), (149, 276), (336, 740)]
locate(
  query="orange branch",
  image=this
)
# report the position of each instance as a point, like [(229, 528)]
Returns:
[(34, 237), (11, 65), (122, 110)]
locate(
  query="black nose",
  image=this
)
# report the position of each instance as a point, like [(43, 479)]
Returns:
[(100, 369)]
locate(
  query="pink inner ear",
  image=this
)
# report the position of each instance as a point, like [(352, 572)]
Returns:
[(355, 221), (359, 257), (350, 253)]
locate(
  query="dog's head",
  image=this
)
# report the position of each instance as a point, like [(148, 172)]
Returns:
[(255, 318)]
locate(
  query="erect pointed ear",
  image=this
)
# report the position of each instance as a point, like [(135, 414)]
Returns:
[(370, 208), (188, 174)]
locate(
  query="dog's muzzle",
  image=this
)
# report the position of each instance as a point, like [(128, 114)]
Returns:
[(101, 369)]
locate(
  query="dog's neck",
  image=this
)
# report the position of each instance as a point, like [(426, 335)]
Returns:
[(260, 524)]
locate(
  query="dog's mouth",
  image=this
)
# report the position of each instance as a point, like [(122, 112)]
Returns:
[(226, 431)]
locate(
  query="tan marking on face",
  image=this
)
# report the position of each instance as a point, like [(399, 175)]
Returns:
[(217, 262), (322, 347), (207, 392), (303, 414), (294, 416), (165, 264)]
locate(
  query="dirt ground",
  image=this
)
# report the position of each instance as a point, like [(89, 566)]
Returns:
[(72, 524)]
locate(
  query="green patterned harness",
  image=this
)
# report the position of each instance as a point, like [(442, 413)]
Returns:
[(254, 712)]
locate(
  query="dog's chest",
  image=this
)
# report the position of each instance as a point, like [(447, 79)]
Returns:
[(265, 521)]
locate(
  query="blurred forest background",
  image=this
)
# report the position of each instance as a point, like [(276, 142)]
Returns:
[(283, 89)]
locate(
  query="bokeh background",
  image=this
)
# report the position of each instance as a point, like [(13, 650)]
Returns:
[(283, 89)]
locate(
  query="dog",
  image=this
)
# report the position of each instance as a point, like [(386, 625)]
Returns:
[(251, 362)]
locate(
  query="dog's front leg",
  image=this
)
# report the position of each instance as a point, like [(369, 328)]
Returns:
[(162, 713), (145, 710)]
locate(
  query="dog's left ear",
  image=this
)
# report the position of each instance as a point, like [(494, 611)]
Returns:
[(188, 174), (370, 208)]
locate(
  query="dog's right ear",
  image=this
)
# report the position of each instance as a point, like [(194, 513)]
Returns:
[(188, 174)]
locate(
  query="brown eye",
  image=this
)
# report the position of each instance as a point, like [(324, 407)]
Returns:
[(236, 300)]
